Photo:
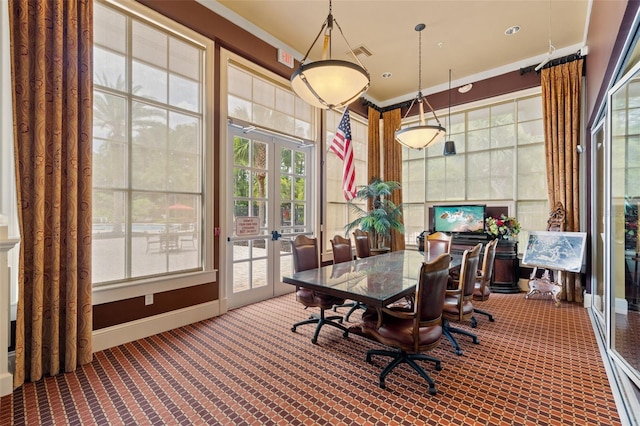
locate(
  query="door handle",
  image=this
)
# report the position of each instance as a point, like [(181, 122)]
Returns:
[(275, 235)]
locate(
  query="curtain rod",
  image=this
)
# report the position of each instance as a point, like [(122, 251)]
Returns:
[(381, 110), (553, 63)]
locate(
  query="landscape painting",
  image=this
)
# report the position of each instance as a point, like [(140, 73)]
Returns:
[(560, 251)]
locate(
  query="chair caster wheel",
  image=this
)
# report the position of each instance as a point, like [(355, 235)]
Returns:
[(492, 320), (474, 323), (459, 352), (314, 341), (382, 385), (438, 367), (433, 391), (293, 329), (345, 334)]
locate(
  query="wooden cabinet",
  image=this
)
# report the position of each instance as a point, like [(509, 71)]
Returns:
[(506, 273)]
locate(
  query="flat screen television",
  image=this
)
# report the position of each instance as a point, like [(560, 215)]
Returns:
[(459, 218)]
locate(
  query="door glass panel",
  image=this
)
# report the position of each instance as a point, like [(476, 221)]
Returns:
[(259, 155), (286, 260), (300, 163), (299, 193), (625, 199), (285, 187), (285, 161)]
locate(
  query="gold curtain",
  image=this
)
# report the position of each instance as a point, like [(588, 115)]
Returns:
[(392, 167), (51, 47), (373, 163), (561, 86)]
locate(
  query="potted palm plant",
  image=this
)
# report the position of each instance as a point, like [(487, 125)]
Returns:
[(383, 216)]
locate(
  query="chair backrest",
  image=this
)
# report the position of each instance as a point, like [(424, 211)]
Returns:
[(468, 271), (363, 248), (341, 249), (487, 264), (438, 243), (556, 218), (430, 292), (305, 253)]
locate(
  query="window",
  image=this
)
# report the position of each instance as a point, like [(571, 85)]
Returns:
[(150, 162), (259, 100), (500, 158), (338, 212)]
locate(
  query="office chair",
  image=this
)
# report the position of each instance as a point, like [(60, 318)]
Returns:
[(458, 305), (305, 256), (481, 291), (342, 253), (412, 333)]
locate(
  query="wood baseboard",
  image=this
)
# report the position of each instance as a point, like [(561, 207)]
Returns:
[(123, 333)]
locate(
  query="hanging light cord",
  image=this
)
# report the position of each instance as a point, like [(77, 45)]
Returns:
[(449, 113), (328, 24), (420, 62), (419, 97), (551, 46)]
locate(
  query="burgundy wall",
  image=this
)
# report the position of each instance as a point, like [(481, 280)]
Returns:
[(608, 27)]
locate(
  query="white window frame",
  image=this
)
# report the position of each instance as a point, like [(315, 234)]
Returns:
[(512, 203), (361, 172), (138, 287)]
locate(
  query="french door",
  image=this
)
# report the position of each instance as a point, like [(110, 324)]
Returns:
[(599, 304), (270, 203)]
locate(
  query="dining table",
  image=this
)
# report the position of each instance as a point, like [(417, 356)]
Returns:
[(376, 281)]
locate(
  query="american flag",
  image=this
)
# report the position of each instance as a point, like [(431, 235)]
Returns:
[(341, 145)]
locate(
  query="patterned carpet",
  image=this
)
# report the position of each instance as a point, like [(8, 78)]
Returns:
[(536, 364)]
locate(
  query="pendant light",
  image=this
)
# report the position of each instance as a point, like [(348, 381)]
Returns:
[(329, 83), (449, 146), (421, 135)]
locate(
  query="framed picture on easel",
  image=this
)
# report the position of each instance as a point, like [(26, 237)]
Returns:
[(559, 251)]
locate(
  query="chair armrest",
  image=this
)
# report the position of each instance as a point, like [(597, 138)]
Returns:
[(455, 292), (399, 314), (453, 284)]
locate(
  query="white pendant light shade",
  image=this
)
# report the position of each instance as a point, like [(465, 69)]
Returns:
[(418, 137), (329, 83)]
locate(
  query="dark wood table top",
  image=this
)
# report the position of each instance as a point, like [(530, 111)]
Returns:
[(375, 281)]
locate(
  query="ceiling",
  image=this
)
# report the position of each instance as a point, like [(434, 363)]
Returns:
[(466, 37)]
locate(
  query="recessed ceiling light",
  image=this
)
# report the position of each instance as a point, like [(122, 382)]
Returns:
[(386, 75), (512, 30), (465, 88)]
